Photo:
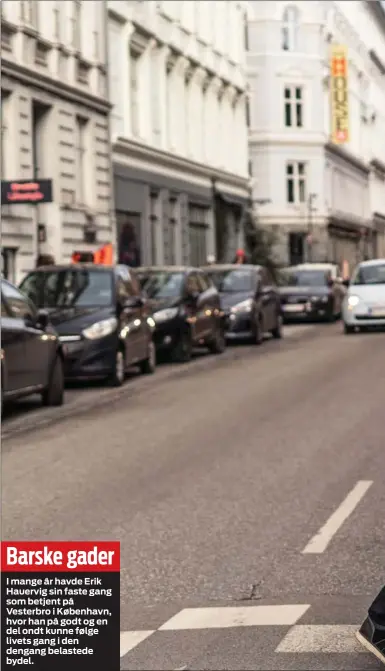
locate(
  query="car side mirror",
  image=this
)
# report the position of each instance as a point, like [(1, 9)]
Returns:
[(42, 320)]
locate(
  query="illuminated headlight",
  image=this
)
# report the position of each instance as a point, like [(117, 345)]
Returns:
[(353, 301), (245, 306), (165, 315), (101, 329), (151, 322)]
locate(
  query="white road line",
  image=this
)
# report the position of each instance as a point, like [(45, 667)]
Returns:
[(322, 538), (323, 638), (130, 639), (247, 616)]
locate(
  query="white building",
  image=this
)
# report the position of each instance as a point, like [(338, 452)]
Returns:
[(54, 126), (335, 193), (179, 129)]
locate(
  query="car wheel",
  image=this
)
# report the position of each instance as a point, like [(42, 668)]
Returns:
[(258, 331), (277, 331), (53, 395), (218, 344), (147, 367), (182, 352), (119, 371), (348, 330)]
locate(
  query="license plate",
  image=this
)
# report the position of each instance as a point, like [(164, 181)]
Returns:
[(294, 308)]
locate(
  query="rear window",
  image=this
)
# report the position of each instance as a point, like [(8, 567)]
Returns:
[(69, 288)]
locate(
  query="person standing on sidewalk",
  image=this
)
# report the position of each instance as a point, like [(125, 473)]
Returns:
[(372, 632)]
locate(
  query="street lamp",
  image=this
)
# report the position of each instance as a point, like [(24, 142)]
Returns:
[(310, 210)]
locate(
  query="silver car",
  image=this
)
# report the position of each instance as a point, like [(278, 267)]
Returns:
[(364, 303)]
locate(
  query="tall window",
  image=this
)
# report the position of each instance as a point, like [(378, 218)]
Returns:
[(39, 116), (81, 159), (29, 10), (198, 234), (76, 24), (4, 96), (293, 107), (134, 91), (290, 29), (57, 20), (296, 182)]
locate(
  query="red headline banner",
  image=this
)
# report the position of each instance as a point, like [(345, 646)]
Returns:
[(65, 556)]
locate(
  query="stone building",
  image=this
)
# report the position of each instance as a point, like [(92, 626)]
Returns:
[(55, 127)]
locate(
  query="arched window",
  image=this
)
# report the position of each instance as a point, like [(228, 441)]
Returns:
[(290, 28)]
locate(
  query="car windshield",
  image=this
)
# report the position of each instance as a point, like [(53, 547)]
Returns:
[(69, 288), (303, 278), (232, 281), (163, 284), (369, 274)]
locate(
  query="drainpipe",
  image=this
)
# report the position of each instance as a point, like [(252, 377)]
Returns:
[(114, 237)]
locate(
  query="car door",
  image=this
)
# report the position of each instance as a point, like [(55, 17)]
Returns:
[(192, 306), (267, 299), (206, 306), (35, 368), (12, 344), (129, 316)]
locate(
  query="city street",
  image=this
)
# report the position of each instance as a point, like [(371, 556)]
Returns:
[(246, 489)]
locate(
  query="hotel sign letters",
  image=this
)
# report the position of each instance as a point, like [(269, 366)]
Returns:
[(23, 191), (339, 95)]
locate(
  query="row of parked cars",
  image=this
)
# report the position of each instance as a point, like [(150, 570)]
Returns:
[(85, 321)]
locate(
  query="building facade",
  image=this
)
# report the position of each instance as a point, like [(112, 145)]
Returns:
[(324, 200), (179, 129), (54, 126)]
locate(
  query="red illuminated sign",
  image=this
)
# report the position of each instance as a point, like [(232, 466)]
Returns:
[(26, 191)]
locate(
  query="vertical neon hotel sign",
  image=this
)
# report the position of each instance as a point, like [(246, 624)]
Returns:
[(339, 95)]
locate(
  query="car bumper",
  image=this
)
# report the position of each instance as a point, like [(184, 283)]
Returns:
[(238, 326), (362, 319), (88, 359), (305, 312)]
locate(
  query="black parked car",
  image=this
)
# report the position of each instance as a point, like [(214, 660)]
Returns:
[(101, 316), (311, 291), (250, 300), (31, 353), (186, 310)]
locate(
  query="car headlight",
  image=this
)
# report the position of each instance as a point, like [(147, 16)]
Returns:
[(353, 301), (245, 306), (100, 329), (165, 315)]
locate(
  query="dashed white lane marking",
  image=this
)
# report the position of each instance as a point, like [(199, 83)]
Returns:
[(322, 538), (321, 638), (222, 618), (130, 639)]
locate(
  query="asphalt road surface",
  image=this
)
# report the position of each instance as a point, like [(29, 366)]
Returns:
[(247, 491)]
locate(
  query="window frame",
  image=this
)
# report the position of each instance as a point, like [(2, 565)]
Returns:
[(290, 26), (298, 181), (293, 104)]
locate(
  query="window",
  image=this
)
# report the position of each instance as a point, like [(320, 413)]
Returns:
[(69, 288), (246, 32), (129, 236), (290, 29), (19, 305), (4, 96), (296, 249), (197, 235), (134, 91), (29, 12), (296, 182), (204, 282), (192, 285), (39, 115), (57, 20), (76, 24), (233, 281), (81, 163), (248, 113), (293, 107)]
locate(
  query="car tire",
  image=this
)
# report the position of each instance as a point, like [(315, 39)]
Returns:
[(277, 331), (218, 343), (53, 395), (118, 373), (182, 352), (258, 331), (148, 366), (349, 330)]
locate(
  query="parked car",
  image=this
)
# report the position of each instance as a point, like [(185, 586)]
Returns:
[(364, 303), (100, 314), (311, 291), (249, 299), (31, 353), (186, 310)]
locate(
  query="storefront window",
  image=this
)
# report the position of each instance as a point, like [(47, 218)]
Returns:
[(128, 227), (198, 234)]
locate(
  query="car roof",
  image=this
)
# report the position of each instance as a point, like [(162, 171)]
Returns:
[(165, 269), (230, 266), (313, 266), (73, 266), (372, 262)]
